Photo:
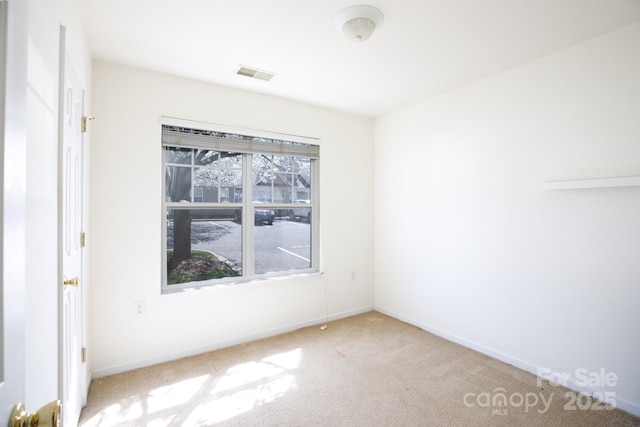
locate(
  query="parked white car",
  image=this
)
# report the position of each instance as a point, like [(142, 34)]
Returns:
[(301, 213)]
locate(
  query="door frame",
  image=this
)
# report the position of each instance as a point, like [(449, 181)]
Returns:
[(13, 79)]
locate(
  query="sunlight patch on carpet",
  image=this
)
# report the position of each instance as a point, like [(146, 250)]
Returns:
[(245, 400), (242, 388), (175, 394)]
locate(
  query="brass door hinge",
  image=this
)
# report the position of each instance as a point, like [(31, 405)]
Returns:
[(75, 282), (83, 239), (83, 354), (85, 120)]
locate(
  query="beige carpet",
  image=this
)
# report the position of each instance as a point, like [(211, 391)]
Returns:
[(367, 370)]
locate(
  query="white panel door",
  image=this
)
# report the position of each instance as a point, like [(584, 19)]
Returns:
[(15, 114), (72, 313)]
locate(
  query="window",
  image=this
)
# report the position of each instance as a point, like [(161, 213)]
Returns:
[(238, 205)]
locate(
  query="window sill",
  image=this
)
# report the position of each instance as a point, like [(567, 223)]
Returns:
[(241, 285)]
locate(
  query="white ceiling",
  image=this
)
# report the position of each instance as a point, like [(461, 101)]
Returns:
[(424, 47)]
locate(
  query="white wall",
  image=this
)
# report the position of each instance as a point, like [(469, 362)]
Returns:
[(468, 244), (125, 232)]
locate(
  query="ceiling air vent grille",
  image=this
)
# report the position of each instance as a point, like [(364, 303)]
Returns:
[(254, 73)]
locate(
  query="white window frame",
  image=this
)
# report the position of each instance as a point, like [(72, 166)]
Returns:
[(247, 205)]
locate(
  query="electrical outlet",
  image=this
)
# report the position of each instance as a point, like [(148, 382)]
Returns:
[(139, 309), (353, 276)]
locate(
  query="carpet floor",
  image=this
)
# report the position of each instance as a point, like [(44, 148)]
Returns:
[(366, 370)]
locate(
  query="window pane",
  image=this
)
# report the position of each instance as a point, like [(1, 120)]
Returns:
[(284, 246), (203, 244), (281, 179), (284, 181), (263, 177), (302, 184), (179, 155), (178, 183), (204, 157), (220, 175)]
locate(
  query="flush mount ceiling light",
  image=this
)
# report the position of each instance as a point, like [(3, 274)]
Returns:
[(357, 23)]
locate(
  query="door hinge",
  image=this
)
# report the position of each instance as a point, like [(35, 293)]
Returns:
[(83, 239), (83, 354), (85, 120)]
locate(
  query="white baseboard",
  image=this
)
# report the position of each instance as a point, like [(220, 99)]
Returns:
[(162, 358), (621, 403), (87, 385)]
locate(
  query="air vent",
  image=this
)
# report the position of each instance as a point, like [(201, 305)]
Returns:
[(255, 73)]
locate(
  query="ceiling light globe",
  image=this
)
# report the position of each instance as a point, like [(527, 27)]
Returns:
[(358, 29), (357, 23)]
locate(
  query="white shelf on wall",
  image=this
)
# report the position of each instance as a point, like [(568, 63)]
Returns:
[(578, 184)]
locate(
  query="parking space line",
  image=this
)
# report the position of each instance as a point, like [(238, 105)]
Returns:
[(291, 253), (219, 225)]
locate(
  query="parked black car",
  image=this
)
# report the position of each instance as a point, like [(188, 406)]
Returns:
[(264, 216), (261, 216)]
